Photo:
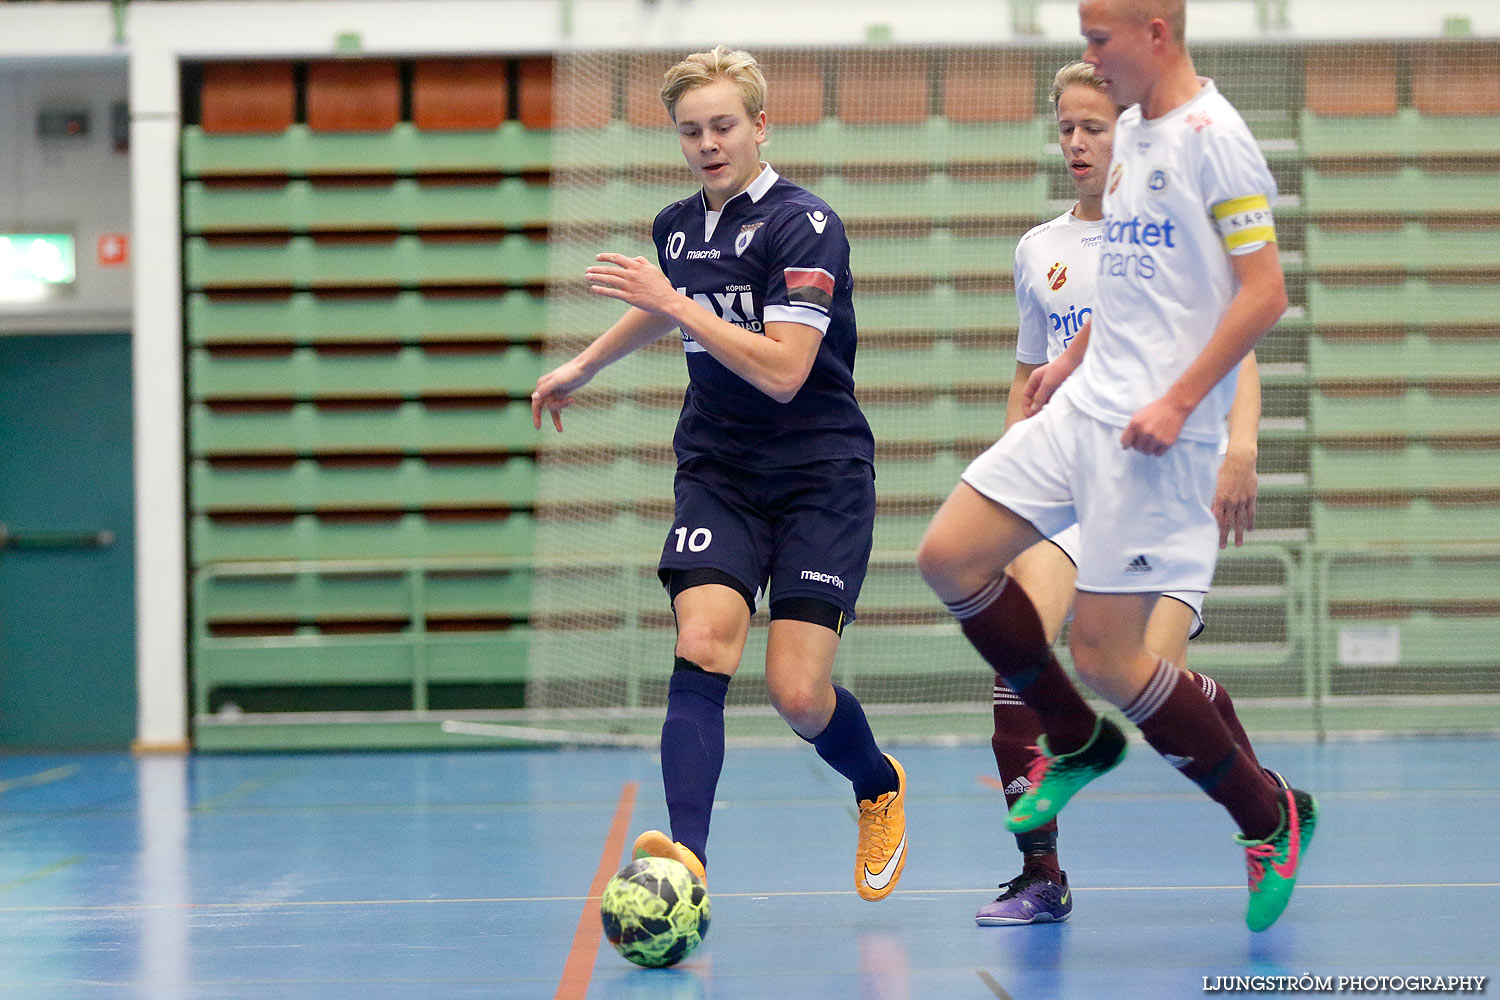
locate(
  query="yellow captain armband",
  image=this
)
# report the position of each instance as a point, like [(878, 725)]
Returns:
[(1245, 221)]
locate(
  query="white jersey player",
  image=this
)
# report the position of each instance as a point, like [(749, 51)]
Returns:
[(1189, 280), (1055, 277)]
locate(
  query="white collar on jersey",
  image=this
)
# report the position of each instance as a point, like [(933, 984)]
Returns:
[(1205, 88), (757, 190)]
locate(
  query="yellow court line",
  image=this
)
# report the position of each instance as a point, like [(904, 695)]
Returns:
[(993, 984), (40, 778), (302, 903), (56, 866), (246, 787)]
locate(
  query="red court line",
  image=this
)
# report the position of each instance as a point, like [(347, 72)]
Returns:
[(579, 969)]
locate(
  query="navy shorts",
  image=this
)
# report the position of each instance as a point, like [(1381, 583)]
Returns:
[(805, 531)]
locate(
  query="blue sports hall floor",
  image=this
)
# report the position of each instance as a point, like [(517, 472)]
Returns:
[(468, 874)]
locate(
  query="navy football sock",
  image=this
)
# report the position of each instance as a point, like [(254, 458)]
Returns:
[(847, 744), (692, 752)]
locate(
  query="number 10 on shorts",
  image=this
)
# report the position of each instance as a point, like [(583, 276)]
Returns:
[(696, 541)]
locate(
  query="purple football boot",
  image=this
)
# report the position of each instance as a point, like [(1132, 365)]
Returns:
[(1029, 898)]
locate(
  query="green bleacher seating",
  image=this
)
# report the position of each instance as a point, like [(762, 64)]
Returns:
[(939, 363), (302, 660), (406, 536), (1411, 303), (408, 372), (900, 534), (940, 309), (591, 423), (610, 536), (403, 151), (1415, 356), (1414, 467), (1408, 133), (1380, 426), (412, 659), (941, 419), (938, 255), (937, 142), (305, 597), (1410, 247), (1406, 192), (661, 368), (408, 428), (406, 317), (566, 264), (1420, 580), (301, 206), (1439, 607), (623, 479), (1414, 521), (302, 262), (620, 200), (899, 587), (1397, 412), (937, 198), (931, 478), (307, 485)]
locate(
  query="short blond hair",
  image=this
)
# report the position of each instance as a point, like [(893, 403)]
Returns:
[(1174, 12), (1074, 74), (719, 63)]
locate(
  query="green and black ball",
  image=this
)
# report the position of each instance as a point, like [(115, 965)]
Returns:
[(655, 912)]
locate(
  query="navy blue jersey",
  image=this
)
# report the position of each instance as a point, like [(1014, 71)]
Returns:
[(775, 253)]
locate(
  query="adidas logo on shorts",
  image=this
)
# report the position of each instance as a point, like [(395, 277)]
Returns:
[(1138, 565)]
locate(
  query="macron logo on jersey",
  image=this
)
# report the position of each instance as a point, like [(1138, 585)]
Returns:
[(809, 286), (818, 220)]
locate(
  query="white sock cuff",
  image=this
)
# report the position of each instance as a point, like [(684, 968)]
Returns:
[(977, 602), (1210, 688), (1005, 696), (1157, 690)]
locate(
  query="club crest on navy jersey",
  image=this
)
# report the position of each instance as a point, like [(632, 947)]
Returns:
[(747, 233)]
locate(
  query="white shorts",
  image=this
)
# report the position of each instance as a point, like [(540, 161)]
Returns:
[(1146, 523), (1067, 540)]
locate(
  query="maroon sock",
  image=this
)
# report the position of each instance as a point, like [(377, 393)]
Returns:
[(1180, 724), (1215, 693), (1003, 626), (1017, 729)]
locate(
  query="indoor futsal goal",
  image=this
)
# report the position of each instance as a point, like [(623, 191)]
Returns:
[(1368, 596)]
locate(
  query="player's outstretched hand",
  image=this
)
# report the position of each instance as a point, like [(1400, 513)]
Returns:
[(1234, 498), (633, 280), (554, 391), (1154, 428), (1041, 385)]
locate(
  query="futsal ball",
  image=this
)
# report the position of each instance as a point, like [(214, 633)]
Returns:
[(655, 911)]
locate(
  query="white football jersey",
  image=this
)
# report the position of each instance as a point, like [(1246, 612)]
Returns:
[(1056, 265), (1184, 192)]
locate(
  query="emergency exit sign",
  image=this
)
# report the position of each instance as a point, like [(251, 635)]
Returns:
[(36, 259)]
